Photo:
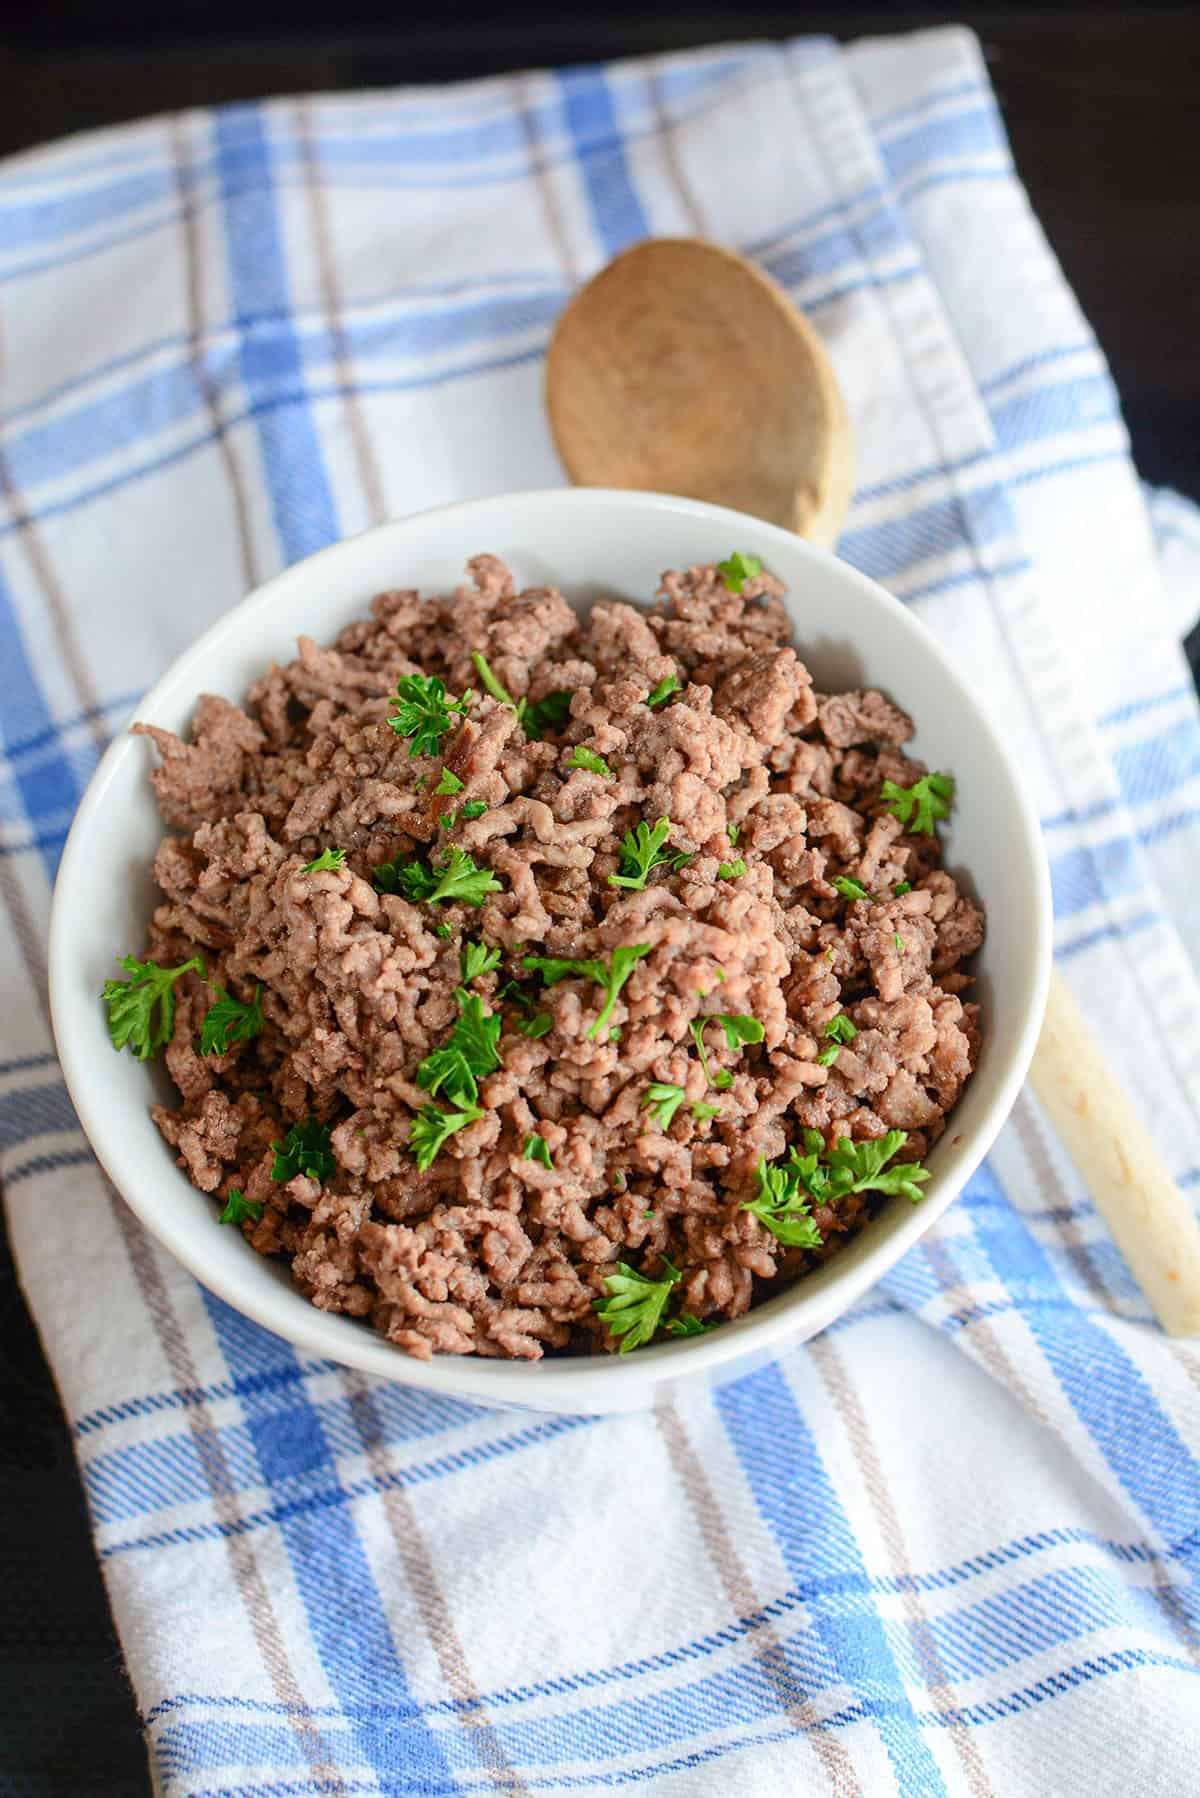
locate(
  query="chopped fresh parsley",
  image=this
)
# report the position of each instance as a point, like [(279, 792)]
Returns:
[(330, 861), (700, 1110), (733, 831), (537, 1149), (449, 783), (454, 876), (634, 1308), (229, 1021), (659, 695), (722, 1078), (861, 1167), (474, 808), (784, 1206), (546, 714), (901, 887), (920, 806), (731, 870), (681, 860), (432, 1127), (537, 1025), (582, 757), (822, 1176), (455, 1069), (898, 940), (476, 959), (841, 1029), (687, 1325), (468, 1054), (738, 569), (141, 1010), (850, 889), (828, 1056), (240, 1210), (304, 1150), (423, 712), (385, 876), (738, 1029), (494, 686), (443, 930), (663, 1100), (611, 977), (641, 851)]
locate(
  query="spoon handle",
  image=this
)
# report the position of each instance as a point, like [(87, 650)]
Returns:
[(1151, 1222)]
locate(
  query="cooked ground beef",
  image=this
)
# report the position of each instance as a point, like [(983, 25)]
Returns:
[(489, 1250)]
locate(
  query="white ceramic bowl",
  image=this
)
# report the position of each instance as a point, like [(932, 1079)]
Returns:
[(588, 542)]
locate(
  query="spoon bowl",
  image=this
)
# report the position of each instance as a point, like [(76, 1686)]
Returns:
[(676, 353)]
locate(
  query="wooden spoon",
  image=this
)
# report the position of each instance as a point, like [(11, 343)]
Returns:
[(681, 368)]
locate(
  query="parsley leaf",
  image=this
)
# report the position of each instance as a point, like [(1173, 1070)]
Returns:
[(423, 711), (659, 695), (901, 887), (454, 876), (634, 1309), (823, 1176), (474, 808), (468, 1054), (537, 1149), (850, 889), (828, 1056), (841, 1029), (860, 1167), (731, 870), (663, 1100), (537, 1025), (687, 1325), (240, 1210), (582, 757), (546, 714), (738, 570), (700, 1110), (330, 861), (641, 851), (898, 941), (229, 1021), (476, 959), (449, 783), (447, 1068), (550, 713), (459, 877), (783, 1206), (734, 831), (385, 876), (132, 1004), (738, 1028), (442, 930), (304, 1150), (432, 1127), (611, 977), (919, 806)]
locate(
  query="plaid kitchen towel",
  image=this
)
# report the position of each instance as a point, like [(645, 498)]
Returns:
[(952, 1546)]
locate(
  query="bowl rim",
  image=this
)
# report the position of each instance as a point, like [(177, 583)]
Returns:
[(782, 1320)]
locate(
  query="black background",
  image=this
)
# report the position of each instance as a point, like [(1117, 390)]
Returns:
[(1101, 106)]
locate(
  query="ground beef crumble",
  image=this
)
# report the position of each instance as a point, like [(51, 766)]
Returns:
[(488, 1252)]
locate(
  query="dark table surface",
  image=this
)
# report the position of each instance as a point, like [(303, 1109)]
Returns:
[(1101, 110)]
